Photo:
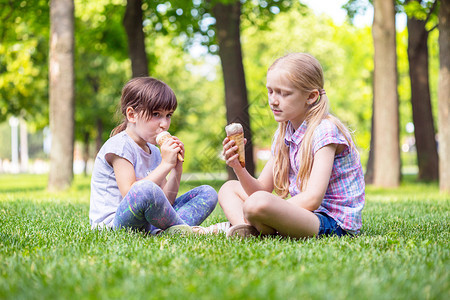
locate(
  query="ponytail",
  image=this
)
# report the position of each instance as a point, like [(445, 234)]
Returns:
[(121, 127), (281, 165)]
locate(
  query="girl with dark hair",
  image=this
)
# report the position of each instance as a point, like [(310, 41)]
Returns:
[(134, 184)]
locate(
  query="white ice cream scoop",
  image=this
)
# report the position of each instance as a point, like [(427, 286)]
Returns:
[(164, 136)]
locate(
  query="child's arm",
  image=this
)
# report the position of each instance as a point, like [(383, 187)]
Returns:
[(248, 182), (173, 183), (126, 176), (123, 171), (317, 185)]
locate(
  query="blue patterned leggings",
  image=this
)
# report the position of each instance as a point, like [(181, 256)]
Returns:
[(145, 207)]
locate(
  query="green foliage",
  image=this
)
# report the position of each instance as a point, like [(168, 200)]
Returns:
[(199, 120), (348, 73), (23, 56), (99, 28), (47, 250), (421, 10), (355, 7), (102, 67), (193, 21)]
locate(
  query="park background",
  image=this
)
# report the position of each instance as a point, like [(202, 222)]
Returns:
[(47, 248), (181, 48)]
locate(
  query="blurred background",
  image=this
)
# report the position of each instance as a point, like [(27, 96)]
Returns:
[(185, 47)]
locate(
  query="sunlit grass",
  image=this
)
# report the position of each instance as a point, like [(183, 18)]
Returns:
[(47, 250)]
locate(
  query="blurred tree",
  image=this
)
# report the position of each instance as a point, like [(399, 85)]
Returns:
[(200, 114), (354, 7), (62, 93), (100, 56), (347, 73), (24, 34), (444, 96), (132, 22), (386, 109), (216, 24), (419, 14), (101, 45), (228, 35)]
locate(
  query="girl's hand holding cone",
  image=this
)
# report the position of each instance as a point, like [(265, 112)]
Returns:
[(165, 136), (234, 142)]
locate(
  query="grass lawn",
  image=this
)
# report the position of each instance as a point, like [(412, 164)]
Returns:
[(47, 250)]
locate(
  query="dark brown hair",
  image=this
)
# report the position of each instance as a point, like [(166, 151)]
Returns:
[(145, 95)]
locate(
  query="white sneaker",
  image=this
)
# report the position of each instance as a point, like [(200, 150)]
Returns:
[(213, 229), (179, 230), (242, 230)]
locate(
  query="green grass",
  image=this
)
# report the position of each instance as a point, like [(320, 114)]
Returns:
[(47, 250)]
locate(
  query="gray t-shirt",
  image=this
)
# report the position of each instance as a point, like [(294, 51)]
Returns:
[(105, 194)]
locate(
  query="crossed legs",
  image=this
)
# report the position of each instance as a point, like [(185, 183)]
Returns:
[(268, 213), (145, 207)]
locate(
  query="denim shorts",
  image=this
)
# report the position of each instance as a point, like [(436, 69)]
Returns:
[(328, 226)]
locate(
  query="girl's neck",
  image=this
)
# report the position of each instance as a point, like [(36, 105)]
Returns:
[(296, 125), (140, 142)]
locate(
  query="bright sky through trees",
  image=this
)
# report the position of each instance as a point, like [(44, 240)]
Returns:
[(334, 9)]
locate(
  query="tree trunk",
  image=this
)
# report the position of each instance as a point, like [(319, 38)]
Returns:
[(444, 96), (368, 177), (62, 93), (132, 22), (386, 142), (230, 52), (424, 132)]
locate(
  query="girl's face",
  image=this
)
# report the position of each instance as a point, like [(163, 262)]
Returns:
[(143, 130), (286, 101)]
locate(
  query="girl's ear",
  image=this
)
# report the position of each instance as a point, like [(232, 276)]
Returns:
[(313, 96), (131, 114)]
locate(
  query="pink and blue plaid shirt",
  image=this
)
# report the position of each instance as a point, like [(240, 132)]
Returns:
[(345, 195)]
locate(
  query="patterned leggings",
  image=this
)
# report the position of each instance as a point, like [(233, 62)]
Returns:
[(145, 207)]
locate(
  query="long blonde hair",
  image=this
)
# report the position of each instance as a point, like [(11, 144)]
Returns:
[(305, 72)]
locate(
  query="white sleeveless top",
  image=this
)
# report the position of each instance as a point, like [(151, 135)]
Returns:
[(105, 194)]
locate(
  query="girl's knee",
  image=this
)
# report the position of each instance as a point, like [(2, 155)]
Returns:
[(257, 205), (229, 187), (210, 193), (208, 189), (146, 193), (145, 186)]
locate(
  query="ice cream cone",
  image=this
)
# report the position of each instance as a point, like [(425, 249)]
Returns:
[(235, 132), (164, 136)]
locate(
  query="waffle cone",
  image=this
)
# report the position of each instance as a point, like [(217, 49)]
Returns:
[(164, 137), (239, 140)]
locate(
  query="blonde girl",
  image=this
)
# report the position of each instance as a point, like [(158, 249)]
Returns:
[(314, 167)]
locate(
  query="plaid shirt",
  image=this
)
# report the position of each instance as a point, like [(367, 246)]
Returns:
[(344, 198)]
